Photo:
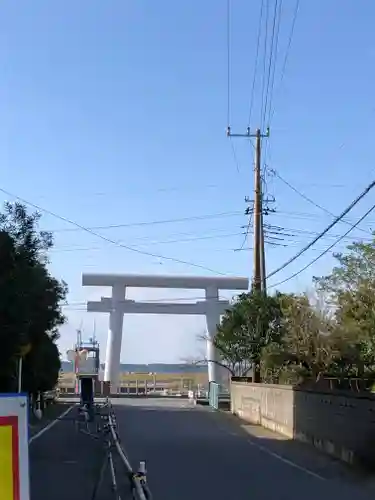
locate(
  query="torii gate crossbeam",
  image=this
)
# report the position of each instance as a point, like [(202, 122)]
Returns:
[(117, 306)]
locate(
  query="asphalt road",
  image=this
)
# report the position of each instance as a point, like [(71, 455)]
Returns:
[(194, 454), (64, 464)]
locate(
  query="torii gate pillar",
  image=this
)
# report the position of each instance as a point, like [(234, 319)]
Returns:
[(114, 340), (117, 306)]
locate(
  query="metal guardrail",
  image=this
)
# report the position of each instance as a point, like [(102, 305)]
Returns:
[(99, 422), (138, 480)]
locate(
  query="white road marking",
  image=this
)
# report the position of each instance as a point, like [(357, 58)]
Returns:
[(50, 425), (285, 460)]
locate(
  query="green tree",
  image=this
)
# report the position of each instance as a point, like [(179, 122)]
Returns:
[(307, 349), (42, 365), (350, 291), (251, 324), (30, 301)]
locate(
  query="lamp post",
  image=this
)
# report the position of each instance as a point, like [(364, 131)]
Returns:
[(24, 350)]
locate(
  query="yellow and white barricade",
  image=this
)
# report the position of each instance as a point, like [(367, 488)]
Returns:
[(14, 447)]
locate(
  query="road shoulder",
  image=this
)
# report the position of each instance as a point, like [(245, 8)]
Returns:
[(297, 454)]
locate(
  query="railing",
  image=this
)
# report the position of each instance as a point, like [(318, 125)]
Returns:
[(100, 422), (140, 489)]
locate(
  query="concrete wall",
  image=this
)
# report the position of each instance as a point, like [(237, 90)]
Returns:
[(339, 423)]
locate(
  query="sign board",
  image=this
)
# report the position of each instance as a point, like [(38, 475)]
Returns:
[(14, 447), (86, 367)]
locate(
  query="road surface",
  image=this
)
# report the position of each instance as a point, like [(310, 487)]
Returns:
[(194, 453), (63, 463)]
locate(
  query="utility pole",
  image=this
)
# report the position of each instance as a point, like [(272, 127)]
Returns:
[(257, 278), (262, 255), (259, 254)]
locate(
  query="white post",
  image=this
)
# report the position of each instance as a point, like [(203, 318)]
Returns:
[(113, 351), (20, 374), (212, 320)]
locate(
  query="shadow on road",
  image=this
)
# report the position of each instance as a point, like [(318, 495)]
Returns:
[(195, 453)]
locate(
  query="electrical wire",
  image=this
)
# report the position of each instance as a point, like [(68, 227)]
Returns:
[(228, 61), (161, 299), (264, 61), (252, 96), (315, 249), (272, 84), (247, 231), (165, 242), (291, 243), (170, 189), (269, 71), (150, 223), (291, 34), (195, 234), (325, 251), (306, 232), (233, 149), (191, 237), (330, 226), (272, 72), (304, 216), (234, 154), (302, 195), (109, 240)]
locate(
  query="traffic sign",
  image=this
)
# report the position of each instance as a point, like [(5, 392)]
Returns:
[(14, 447)]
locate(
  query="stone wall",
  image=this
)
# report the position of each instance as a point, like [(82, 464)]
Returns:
[(339, 423)]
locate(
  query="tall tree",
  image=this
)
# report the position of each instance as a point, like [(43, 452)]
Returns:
[(30, 298), (252, 323), (307, 349), (350, 290)]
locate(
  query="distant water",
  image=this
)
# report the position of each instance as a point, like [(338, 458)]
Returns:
[(67, 367)]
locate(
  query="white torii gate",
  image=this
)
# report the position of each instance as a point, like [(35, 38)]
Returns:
[(118, 305)]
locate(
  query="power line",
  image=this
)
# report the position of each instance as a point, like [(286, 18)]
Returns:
[(234, 154), (249, 224), (109, 240), (275, 61), (161, 299), (273, 245), (148, 243), (326, 250), (291, 34), (151, 223), (170, 189), (287, 243), (302, 195), (256, 63), (336, 220), (264, 61), (269, 72), (306, 232), (228, 60), (304, 216)]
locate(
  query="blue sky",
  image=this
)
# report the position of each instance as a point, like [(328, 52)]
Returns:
[(115, 112)]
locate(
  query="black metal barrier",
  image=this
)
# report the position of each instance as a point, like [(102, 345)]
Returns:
[(98, 421)]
